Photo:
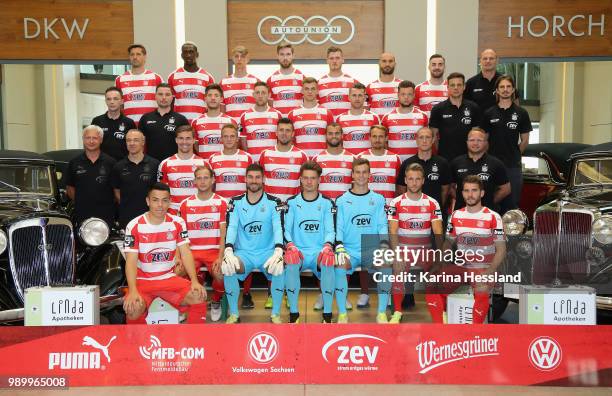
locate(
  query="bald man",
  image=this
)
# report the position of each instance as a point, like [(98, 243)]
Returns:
[(382, 93), (481, 87)]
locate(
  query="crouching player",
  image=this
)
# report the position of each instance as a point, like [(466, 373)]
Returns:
[(477, 232), (204, 215), (151, 243), (254, 240), (361, 212), (309, 232)]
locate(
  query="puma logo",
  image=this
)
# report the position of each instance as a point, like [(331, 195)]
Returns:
[(88, 341)]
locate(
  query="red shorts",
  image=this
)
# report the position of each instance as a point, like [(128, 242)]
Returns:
[(204, 258), (173, 290)]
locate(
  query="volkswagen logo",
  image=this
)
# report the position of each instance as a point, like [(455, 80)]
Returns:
[(296, 25), (263, 347), (545, 353)]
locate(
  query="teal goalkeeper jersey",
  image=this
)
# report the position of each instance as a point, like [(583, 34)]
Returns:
[(309, 224), (254, 226), (360, 215)]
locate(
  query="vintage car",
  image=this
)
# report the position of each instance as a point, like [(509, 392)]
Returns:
[(572, 234), (39, 245)]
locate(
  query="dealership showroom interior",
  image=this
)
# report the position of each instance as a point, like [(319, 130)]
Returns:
[(295, 197)]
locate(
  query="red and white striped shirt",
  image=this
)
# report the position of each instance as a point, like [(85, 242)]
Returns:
[(155, 244), (336, 177), (282, 171), (259, 128), (383, 172), (309, 125), (402, 130), (356, 130), (178, 175), (476, 233), (208, 133), (286, 91), (238, 94), (427, 95), (189, 91), (230, 172), (138, 92), (382, 96), (334, 93), (414, 218), (204, 219)]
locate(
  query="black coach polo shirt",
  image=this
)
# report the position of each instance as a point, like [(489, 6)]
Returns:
[(453, 124), (490, 170), (113, 143), (93, 191), (437, 174), (505, 127), (160, 132), (133, 181), (482, 91)]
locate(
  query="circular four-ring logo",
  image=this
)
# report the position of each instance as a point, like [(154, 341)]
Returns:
[(297, 26)]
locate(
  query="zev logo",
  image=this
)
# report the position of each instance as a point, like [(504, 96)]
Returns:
[(353, 353), (362, 220), (263, 347), (309, 226), (545, 353), (254, 227)]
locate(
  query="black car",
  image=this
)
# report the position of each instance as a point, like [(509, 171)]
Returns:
[(38, 243)]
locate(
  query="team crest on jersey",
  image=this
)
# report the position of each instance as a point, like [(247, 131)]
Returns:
[(434, 168), (169, 235), (387, 164), (344, 85), (365, 123), (102, 171), (318, 208), (171, 120), (237, 163), (292, 160), (269, 121), (423, 209), (514, 116), (318, 116), (294, 82), (122, 127), (485, 168), (466, 112), (479, 224), (262, 209), (371, 203), (344, 165), (213, 209)]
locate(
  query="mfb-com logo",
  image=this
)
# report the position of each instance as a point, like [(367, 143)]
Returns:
[(353, 352), (263, 348), (82, 360), (169, 359), (545, 353)]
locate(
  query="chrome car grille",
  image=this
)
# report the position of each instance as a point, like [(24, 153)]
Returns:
[(41, 252), (570, 245)]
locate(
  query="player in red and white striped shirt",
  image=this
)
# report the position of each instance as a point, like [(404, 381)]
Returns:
[(282, 164), (413, 216), (336, 162), (177, 171), (286, 83), (356, 122), (189, 83), (384, 164), (138, 85), (404, 122), (208, 126), (204, 215), (230, 164), (238, 87), (334, 86), (382, 93), (152, 241), (478, 233), (259, 123), (310, 121), (435, 90)]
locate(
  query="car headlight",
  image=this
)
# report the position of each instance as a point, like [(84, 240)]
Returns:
[(3, 242), (595, 256), (515, 222), (94, 231), (602, 230)]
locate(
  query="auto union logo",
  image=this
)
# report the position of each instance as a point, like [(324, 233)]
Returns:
[(291, 28)]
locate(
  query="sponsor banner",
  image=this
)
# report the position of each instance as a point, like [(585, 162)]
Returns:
[(311, 354)]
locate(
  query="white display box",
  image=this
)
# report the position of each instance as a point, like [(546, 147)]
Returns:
[(161, 312), (459, 306), (62, 306), (568, 305)]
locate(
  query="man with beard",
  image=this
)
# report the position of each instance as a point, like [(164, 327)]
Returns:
[(254, 234), (335, 85), (114, 124), (336, 163), (382, 93), (433, 91), (208, 126), (188, 84), (238, 87), (403, 122), (481, 87), (286, 83), (132, 177)]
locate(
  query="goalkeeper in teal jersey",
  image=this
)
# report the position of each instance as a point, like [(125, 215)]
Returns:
[(309, 233), (254, 240), (360, 213)]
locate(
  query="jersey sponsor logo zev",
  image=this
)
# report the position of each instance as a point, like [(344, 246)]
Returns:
[(545, 353), (82, 360), (362, 220), (309, 226), (431, 355), (353, 352)]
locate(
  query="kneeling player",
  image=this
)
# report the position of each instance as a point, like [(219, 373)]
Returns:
[(151, 243), (204, 214), (478, 232), (254, 241), (309, 232)]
